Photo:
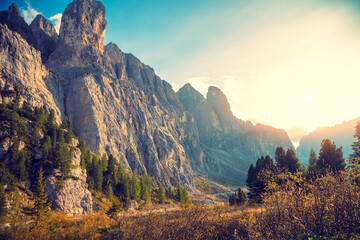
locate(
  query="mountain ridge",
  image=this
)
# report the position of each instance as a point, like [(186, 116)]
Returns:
[(342, 134)]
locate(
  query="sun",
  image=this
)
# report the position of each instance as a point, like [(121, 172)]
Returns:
[(308, 97)]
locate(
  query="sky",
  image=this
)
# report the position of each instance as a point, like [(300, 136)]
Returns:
[(290, 64)]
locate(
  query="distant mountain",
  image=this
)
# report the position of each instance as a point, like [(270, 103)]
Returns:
[(342, 134), (230, 144)]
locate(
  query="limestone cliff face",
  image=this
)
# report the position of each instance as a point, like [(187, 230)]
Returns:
[(229, 144), (83, 27), (45, 36), (21, 65), (73, 197)]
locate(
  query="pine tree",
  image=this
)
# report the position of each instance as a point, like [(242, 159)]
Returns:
[(238, 198), (22, 166), (241, 197), (354, 159), (330, 158), (123, 190), (135, 188), (104, 162), (251, 178), (356, 144), (292, 162), (110, 192), (258, 178), (182, 194), (146, 187), (98, 175), (161, 194), (3, 203), (313, 159), (280, 158), (41, 202)]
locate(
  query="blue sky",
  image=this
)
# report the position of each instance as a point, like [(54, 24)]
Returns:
[(283, 63)]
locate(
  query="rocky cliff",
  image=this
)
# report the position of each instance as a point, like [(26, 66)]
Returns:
[(45, 35), (230, 144), (342, 134), (73, 198), (21, 65), (119, 105)]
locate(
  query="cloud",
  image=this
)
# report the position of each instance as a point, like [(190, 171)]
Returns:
[(56, 20), (29, 13)]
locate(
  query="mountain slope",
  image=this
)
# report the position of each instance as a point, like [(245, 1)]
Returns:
[(230, 144), (342, 134)]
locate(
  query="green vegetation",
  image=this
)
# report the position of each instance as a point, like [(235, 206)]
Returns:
[(41, 201)]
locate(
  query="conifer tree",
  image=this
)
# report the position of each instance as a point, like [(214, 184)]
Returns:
[(280, 158), (97, 174), (3, 203), (330, 158), (22, 166), (292, 162), (41, 202), (241, 197), (135, 188), (123, 190), (145, 185), (313, 159), (356, 144), (354, 159), (258, 177), (161, 194)]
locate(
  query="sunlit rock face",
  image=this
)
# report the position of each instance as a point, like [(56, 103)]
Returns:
[(21, 65), (83, 25)]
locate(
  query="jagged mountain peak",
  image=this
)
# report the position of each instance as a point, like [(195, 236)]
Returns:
[(40, 23), (13, 10), (188, 91), (83, 25), (45, 35), (16, 23), (218, 101)]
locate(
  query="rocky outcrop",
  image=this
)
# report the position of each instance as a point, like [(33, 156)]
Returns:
[(342, 134), (229, 144), (45, 35), (16, 23), (21, 65), (73, 197), (83, 25)]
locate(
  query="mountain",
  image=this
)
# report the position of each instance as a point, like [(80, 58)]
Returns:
[(230, 144), (119, 106), (342, 134)]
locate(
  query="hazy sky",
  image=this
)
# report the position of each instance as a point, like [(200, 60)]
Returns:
[(284, 63)]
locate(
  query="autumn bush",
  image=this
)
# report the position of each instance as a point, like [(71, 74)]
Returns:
[(328, 206)]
